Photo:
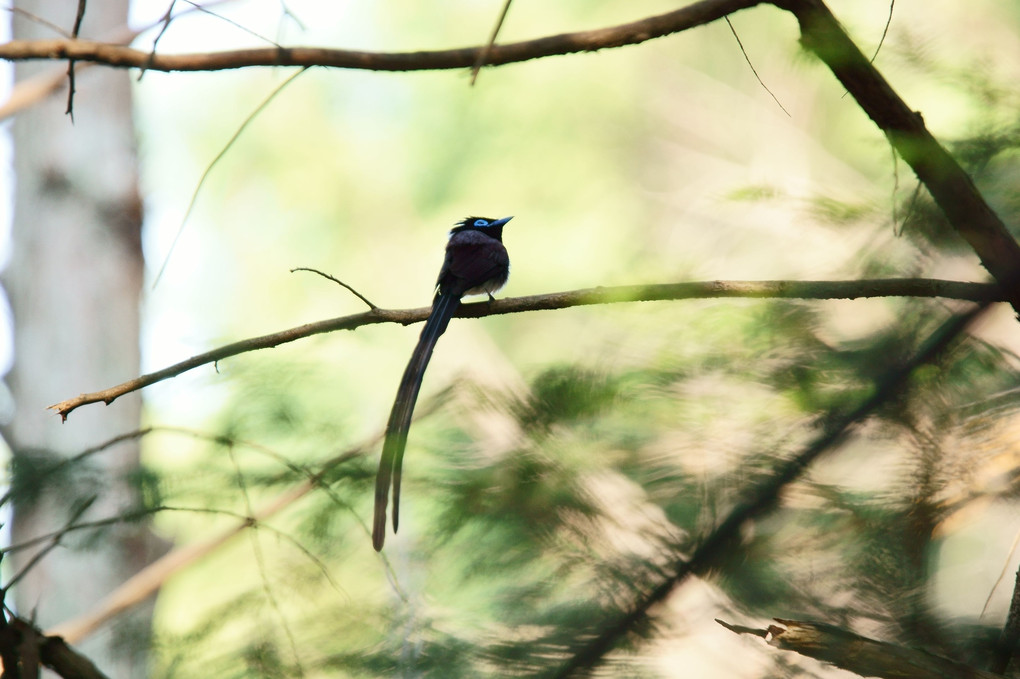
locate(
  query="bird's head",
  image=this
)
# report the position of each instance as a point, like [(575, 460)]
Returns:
[(491, 227)]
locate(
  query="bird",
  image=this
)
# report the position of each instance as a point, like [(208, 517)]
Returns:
[(476, 263)]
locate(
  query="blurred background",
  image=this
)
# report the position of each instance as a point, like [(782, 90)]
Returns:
[(564, 459)]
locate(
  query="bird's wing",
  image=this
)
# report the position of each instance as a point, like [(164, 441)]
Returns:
[(472, 258)]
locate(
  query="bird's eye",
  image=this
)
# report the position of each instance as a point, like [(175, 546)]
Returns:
[(481, 222)]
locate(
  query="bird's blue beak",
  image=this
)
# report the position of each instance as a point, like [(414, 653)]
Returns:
[(500, 222)]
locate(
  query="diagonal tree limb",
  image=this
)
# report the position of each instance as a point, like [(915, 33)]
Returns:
[(762, 498), (946, 181), (883, 287)]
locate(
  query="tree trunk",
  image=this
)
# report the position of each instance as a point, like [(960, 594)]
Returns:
[(74, 282)]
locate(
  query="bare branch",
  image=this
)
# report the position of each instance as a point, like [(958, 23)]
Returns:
[(861, 289), (753, 69), (338, 282), (948, 184), (632, 33)]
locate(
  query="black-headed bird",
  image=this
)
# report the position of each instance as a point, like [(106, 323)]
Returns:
[(476, 263)]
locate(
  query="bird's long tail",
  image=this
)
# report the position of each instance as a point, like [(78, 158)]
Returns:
[(443, 308)]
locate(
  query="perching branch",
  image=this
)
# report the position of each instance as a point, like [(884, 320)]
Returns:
[(859, 289)]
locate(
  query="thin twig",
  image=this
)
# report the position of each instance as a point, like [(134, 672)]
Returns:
[(143, 584), (753, 70), (104, 522), (861, 289), (260, 562), (165, 21), (54, 542), (194, 196), (36, 19), (169, 16), (480, 61), (66, 462), (248, 520), (885, 31), (289, 14), (338, 282), (233, 23), (79, 17)]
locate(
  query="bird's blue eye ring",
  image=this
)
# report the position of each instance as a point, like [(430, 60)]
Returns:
[(481, 222)]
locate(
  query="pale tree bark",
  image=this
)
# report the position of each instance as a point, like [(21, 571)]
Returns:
[(74, 283)]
